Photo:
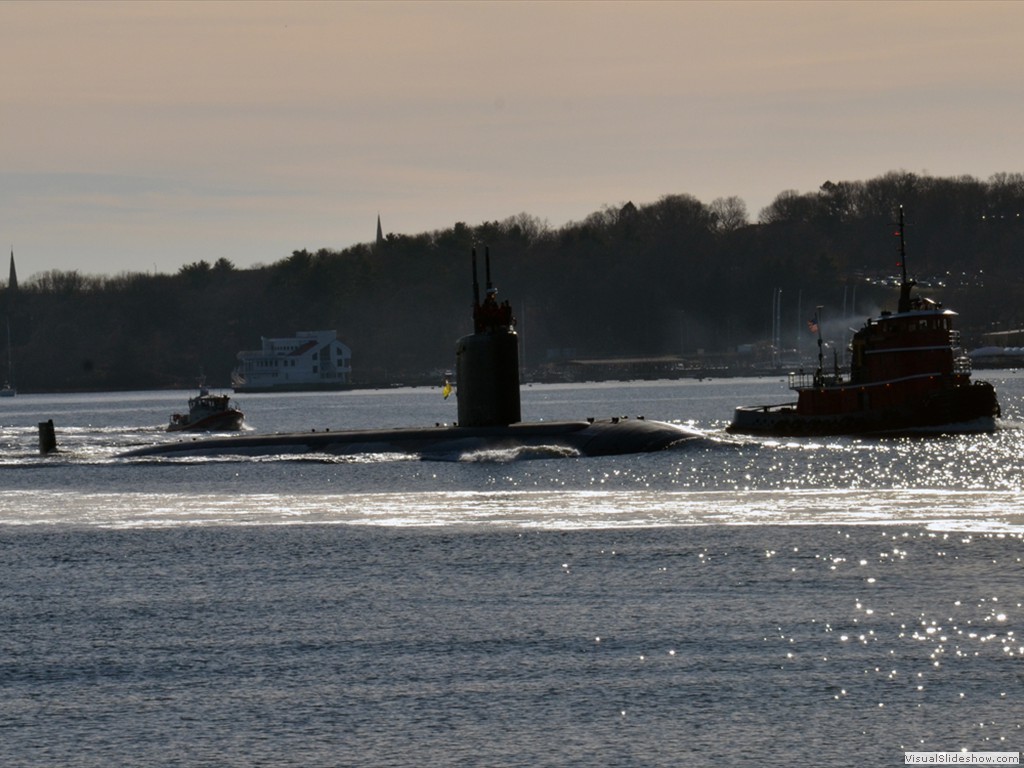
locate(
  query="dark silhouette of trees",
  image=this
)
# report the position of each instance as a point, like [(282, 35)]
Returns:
[(671, 277)]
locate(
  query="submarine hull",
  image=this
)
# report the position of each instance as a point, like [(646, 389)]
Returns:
[(587, 438)]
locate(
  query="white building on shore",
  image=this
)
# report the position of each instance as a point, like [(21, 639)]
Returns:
[(307, 361)]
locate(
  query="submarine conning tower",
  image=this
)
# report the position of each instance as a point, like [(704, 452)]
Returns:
[(487, 361)]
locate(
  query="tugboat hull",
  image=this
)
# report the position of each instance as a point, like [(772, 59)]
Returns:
[(971, 408)]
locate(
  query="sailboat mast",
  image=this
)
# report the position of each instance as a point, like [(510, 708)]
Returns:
[(821, 342), (12, 288), (10, 359), (778, 330)]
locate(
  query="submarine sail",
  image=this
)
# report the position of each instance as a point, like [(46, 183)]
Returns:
[(487, 361)]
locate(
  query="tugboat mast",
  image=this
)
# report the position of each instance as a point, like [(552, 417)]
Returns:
[(905, 286)]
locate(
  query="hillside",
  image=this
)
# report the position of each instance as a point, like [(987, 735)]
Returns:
[(675, 277)]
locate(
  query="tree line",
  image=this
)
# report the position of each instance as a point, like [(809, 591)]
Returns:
[(673, 277)]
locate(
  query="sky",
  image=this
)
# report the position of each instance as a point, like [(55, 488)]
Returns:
[(144, 136)]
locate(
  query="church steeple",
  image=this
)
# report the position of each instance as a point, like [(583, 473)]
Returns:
[(12, 281), (380, 232)]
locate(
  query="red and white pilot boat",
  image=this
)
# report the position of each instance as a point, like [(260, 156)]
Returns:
[(208, 413)]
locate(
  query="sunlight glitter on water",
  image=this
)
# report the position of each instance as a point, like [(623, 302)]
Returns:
[(556, 510), (950, 653)]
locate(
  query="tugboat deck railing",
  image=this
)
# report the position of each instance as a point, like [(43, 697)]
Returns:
[(802, 380)]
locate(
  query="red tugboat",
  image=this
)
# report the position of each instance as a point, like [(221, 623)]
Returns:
[(907, 374)]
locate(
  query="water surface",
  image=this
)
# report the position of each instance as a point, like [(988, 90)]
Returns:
[(734, 601)]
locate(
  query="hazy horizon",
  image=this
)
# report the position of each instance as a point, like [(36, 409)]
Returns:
[(143, 136)]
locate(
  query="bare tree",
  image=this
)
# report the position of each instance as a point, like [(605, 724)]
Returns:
[(730, 213)]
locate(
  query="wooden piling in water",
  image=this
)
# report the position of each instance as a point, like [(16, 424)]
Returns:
[(47, 438)]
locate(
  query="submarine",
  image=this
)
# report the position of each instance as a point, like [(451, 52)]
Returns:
[(489, 413)]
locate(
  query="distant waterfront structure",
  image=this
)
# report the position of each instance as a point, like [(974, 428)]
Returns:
[(310, 360)]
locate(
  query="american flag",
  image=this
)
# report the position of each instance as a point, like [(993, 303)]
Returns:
[(812, 326)]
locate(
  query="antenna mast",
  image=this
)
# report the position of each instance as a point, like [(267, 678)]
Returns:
[(905, 286)]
